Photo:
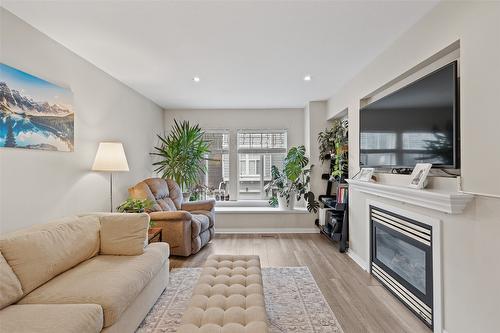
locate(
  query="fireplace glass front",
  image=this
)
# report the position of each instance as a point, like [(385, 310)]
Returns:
[(401, 259)]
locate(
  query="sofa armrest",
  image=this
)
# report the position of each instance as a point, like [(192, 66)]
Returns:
[(207, 205), (179, 215), (123, 234)]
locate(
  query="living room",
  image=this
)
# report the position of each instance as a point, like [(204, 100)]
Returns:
[(303, 186)]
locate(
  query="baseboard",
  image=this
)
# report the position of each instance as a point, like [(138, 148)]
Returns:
[(267, 230), (357, 259)]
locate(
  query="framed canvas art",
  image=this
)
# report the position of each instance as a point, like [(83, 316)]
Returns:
[(34, 113)]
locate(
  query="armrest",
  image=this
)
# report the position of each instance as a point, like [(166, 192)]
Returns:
[(179, 215), (207, 205)]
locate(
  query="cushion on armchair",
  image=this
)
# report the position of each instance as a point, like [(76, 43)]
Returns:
[(142, 191)]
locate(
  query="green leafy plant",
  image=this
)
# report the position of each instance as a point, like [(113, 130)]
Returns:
[(326, 141), (294, 179), (181, 154), (295, 162), (333, 145), (134, 205)]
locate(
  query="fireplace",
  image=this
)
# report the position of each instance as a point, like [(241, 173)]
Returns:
[(401, 255)]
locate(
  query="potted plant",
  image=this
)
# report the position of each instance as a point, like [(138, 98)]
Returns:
[(134, 205), (292, 183), (333, 146), (181, 154)]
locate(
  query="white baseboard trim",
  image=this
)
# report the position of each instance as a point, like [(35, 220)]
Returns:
[(357, 259), (267, 230)]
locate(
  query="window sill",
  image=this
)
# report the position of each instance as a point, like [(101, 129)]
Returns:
[(257, 210), (243, 203)]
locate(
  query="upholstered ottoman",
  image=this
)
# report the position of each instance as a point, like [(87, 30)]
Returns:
[(228, 298)]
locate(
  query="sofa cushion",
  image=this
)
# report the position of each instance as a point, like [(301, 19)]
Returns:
[(38, 254), (124, 234), (199, 223), (10, 287), (52, 318), (110, 281)]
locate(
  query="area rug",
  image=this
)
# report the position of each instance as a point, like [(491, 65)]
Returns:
[(294, 302)]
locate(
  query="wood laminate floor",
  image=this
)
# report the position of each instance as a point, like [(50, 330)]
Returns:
[(360, 303)]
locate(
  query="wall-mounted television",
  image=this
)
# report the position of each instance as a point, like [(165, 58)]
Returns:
[(415, 124)]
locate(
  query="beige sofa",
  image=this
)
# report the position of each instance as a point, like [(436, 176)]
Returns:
[(90, 273)]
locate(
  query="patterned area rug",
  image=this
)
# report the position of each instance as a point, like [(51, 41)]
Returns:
[(294, 302)]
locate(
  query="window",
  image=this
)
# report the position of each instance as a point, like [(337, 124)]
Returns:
[(217, 175), (258, 150), (239, 163)]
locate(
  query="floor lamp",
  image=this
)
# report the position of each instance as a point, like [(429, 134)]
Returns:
[(110, 158)]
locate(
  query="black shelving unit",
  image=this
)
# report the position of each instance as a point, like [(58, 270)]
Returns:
[(336, 227)]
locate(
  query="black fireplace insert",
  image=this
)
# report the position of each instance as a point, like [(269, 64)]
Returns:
[(401, 259)]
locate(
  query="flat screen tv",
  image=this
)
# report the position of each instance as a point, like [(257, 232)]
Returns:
[(415, 124)]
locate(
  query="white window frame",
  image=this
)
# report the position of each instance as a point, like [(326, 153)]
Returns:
[(257, 151), (234, 162), (222, 151)]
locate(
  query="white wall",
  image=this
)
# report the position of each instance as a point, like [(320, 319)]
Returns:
[(470, 241), (315, 122), (36, 186)]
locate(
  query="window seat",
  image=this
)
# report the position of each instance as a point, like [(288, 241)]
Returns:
[(257, 210)]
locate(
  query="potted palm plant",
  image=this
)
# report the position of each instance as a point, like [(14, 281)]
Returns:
[(292, 183), (181, 154)]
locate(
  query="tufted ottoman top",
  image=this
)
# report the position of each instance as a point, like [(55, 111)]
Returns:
[(228, 298)]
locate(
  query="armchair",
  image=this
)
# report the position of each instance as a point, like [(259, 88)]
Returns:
[(186, 226)]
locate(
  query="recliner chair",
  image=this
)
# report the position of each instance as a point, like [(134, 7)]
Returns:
[(186, 226)]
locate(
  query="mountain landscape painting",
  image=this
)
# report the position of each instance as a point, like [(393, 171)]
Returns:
[(34, 113)]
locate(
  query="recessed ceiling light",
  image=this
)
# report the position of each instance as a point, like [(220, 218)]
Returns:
[(307, 78), (196, 79)]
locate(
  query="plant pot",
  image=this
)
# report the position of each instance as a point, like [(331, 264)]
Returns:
[(283, 204), (186, 196)]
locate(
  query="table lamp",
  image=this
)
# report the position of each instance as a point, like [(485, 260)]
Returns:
[(110, 158)]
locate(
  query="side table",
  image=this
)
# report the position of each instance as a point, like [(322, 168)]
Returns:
[(154, 233)]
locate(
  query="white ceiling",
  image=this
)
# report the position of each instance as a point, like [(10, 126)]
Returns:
[(247, 54)]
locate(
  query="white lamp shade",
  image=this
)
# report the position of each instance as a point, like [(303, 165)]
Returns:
[(110, 157)]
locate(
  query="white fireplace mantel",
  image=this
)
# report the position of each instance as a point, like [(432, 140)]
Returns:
[(447, 202)]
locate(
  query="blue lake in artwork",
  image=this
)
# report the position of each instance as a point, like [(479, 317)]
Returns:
[(51, 133)]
